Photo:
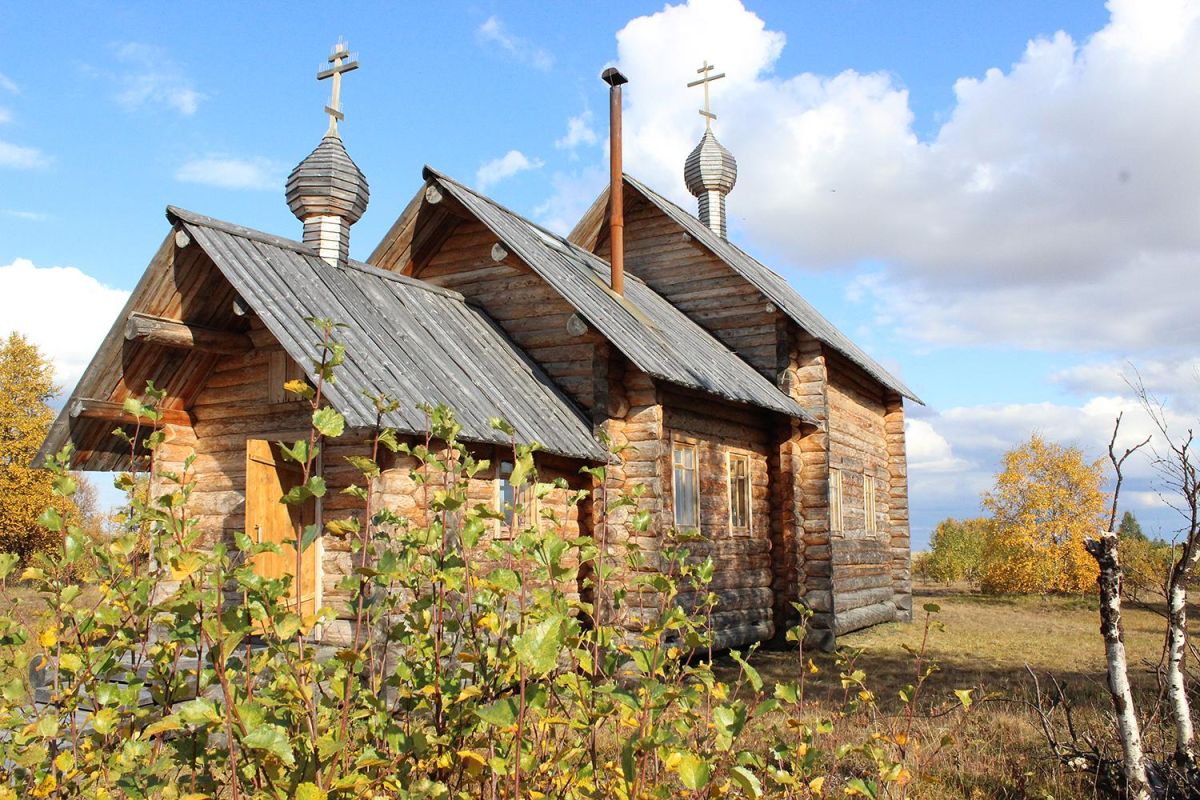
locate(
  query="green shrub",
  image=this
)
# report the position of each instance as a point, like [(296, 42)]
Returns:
[(475, 669), (956, 551)]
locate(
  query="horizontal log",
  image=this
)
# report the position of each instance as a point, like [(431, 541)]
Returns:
[(180, 335), (108, 411)]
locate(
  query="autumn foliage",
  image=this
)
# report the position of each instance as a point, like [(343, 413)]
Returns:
[(26, 386), (1046, 501)]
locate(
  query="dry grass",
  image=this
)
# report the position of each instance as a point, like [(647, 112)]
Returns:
[(985, 643)]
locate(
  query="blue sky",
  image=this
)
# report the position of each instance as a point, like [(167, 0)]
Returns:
[(999, 200)]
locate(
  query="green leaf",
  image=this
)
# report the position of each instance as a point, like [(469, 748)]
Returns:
[(65, 485), (964, 697), (538, 647), (272, 739), (316, 486), (747, 781), (287, 627), (310, 791), (501, 713), (694, 771), (328, 422), (51, 520), (751, 673), (931, 608), (857, 786), (199, 711), (164, 725), (74, 543)]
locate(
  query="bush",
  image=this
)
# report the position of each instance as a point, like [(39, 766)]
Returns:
[(476, 667), (956, 550)]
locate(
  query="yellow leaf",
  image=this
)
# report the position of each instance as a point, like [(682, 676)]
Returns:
[(48, 638), (816, 785)]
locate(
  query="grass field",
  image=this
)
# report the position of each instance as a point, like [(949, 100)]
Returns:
[(984, 643)]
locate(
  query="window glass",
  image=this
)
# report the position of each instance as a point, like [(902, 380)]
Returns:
[(687, 488), (739, 490)]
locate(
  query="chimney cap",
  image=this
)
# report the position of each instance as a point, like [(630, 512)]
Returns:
[(613, 77)]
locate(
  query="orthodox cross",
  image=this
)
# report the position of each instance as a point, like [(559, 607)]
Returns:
[(705, 81), (343, 61)]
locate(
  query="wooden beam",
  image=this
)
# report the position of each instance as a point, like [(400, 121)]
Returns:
[(109, 411), (173, 333)]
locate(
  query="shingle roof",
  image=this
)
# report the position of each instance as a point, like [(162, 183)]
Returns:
[(776, 288), (656, 336), (411, 340)]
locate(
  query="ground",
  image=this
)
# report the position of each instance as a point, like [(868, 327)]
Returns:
[(984, 643)]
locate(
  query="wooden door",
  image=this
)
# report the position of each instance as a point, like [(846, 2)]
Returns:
[(268, 478)]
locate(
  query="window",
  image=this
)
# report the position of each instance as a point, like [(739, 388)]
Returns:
[(739, 491), (686, 485), (835, 499), (517, 503), (869, 504)]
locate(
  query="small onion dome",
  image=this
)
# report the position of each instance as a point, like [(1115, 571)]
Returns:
[(328, 182), (710, 167)]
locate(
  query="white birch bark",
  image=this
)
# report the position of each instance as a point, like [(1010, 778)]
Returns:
[(1104, 550), (1177, 698)]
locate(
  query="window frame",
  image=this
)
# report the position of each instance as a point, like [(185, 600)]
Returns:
[(677, 445), (511, 523), (870, 518), (732, 457), (837, 501)]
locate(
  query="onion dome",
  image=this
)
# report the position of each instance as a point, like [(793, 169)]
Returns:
[(328, 193), (710, 172), (326, 182)]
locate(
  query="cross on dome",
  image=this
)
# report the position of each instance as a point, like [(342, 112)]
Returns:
[(343, 61), (706, 112)]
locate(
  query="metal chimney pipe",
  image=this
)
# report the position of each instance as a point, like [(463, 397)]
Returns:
[(616, 200)]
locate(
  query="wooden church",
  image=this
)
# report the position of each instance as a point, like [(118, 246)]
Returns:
[(743, 412)]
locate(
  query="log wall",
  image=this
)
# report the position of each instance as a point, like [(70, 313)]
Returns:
[(699, 284), (530, 312), (861, 559), (234, 406)]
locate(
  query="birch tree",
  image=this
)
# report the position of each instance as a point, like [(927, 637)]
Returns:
[(1106, 550)]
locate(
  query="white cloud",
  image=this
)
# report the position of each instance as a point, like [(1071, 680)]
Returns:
[(77, 313), (8, 85), (494, 31), (233, 173), (153, 79), (15, 156), (26, 216), (506, 166), (579, 132), (1176, 380), (1055, 208), (5, 115)]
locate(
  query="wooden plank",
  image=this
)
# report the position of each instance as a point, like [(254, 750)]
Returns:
[(173, 333), (109, 411)]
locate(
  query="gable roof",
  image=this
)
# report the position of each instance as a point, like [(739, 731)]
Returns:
[(773, 286), (413, 341), (652, 333)]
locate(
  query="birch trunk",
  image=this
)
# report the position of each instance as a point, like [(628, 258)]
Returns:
[(1104, 550), (1177, 697)]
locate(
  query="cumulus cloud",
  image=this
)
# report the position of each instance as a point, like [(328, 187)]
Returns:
[(1055, 208), (498, 169), (151, 78), (572, 195), (493, 31), (1178, 380), (84, 304), (579, 132), (225, 172), (15, 156)]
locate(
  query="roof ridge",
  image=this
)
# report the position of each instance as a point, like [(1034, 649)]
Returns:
[(600, 265), (834, 338), (175, 214)]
